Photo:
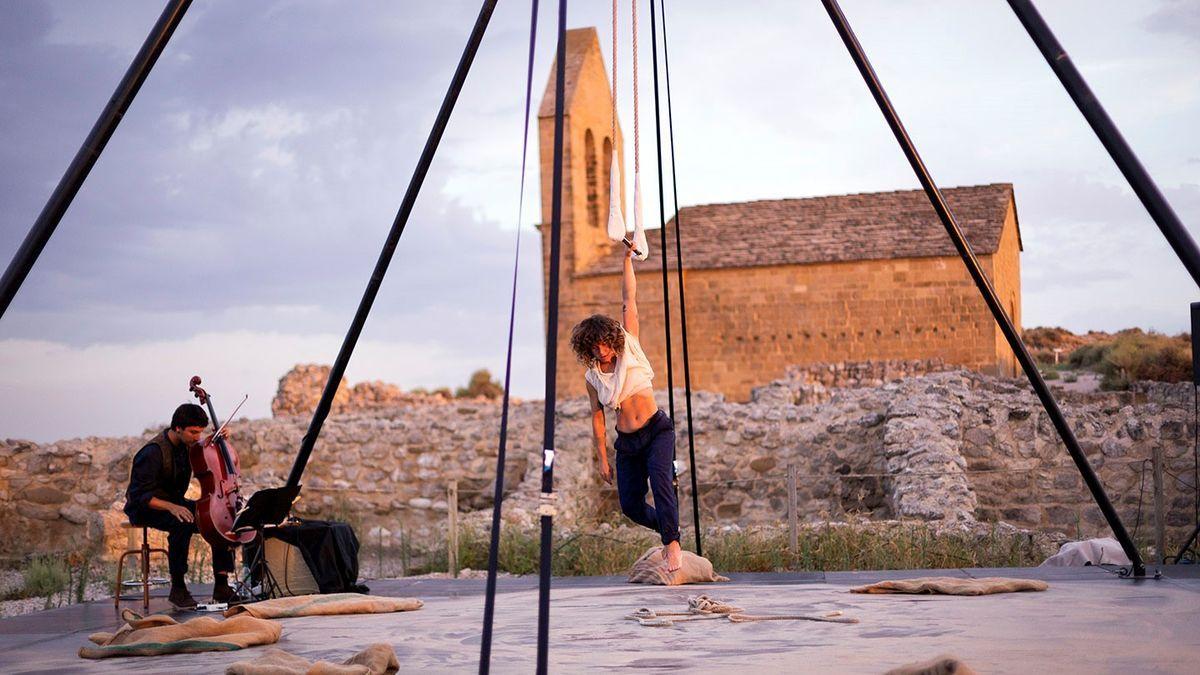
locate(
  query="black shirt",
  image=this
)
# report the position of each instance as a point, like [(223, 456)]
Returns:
[(150, 478)]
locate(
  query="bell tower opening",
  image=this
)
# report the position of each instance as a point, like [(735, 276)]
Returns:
[(593, 188)]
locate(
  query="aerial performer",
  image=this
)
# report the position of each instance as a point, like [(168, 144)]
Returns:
[(619, 378)]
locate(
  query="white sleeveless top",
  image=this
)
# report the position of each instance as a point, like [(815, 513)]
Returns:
[(631, 375)]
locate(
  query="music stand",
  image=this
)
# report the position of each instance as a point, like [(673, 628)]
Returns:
[(265, 508)]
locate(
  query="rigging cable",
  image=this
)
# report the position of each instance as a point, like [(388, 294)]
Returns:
[(662, 232), (89, 152), (1137, 567), (546, 508), (389, 246), (489, 606), (687, 371), (637, 214)]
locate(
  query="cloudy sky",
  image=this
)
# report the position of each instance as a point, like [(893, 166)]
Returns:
[(232, 222)]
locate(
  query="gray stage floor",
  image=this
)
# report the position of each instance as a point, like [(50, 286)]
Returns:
[(1089, 621)]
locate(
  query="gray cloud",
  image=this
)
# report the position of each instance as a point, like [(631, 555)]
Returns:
[(251, 172), (1176, 17), (252, 183)]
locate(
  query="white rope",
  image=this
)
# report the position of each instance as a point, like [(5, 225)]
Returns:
[(616, 223), (639, 231), (614, 77), (637, 167), (703, 607)]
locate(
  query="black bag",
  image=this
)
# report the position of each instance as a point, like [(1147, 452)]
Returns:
[(330, 551)]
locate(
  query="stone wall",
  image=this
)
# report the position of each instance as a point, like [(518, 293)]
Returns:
[(300, 390), (946, 446), (813, 383)]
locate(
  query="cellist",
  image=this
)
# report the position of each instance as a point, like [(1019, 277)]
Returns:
[(157, 482)]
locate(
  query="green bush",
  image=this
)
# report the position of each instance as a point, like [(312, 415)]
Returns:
[(1133, 355), (480, 384), (46, 576), (1151, 356), (1089, 356), (598, 551), (1050, 374), (83, 563), (1114, 382)]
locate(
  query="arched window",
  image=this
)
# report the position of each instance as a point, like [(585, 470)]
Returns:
[(593, 187), (606, 168)]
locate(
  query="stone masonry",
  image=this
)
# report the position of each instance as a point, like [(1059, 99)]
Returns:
[(948, 446)]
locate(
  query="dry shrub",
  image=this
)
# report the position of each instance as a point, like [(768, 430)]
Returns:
[(1133, 355)]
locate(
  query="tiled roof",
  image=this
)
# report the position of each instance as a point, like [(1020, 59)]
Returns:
[(579, 42), (840, 228)]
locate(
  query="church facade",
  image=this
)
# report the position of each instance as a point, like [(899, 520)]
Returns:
[(775, 283)]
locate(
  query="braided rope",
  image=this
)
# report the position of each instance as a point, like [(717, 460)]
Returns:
[(634, 36), (702, 604), (702, 607), (832, 617), (614, 76)]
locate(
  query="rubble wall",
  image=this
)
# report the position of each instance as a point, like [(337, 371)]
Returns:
[(944, 446)]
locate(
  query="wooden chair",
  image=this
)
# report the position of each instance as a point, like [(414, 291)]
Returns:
[(146, 581)]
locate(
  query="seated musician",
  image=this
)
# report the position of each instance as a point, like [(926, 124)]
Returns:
[(159, 478)]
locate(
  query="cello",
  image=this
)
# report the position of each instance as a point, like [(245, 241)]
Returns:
[(215, 464)]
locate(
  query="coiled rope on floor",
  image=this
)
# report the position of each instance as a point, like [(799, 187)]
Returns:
[(703, 607)]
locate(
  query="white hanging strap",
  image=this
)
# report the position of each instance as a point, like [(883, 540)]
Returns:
[(616, 223), (639, 232), (640, 245)]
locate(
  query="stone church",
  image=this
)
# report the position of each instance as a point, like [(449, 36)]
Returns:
[(775, 283)]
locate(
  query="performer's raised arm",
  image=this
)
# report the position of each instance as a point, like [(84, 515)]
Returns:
[(629, 313)]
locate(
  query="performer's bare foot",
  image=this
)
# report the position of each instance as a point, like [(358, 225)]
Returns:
[(673, 554)]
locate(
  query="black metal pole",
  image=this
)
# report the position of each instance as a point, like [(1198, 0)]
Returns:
[(687, 369), (60, 200), (546, 506), (389, 246), (662, 232), (1141, 182), (985, 286), (489, 598)]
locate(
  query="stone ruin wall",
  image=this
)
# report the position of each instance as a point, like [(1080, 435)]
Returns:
[(951, 446), (813, 383)]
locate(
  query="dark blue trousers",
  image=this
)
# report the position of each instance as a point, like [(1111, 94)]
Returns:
[(644, 459), (179, 538)]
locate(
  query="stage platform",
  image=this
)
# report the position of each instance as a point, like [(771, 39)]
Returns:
[(1089, 621)]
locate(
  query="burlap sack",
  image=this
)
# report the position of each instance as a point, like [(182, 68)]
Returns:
[(321, 605), (1102, 551), (160, 634), (650, 568), (942, 665), (953, 586), (377, 659)]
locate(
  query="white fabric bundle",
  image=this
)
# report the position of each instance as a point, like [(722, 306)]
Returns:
[(639, 232), (616, 224)]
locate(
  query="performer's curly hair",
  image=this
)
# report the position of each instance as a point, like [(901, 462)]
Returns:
[(594, 330)]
